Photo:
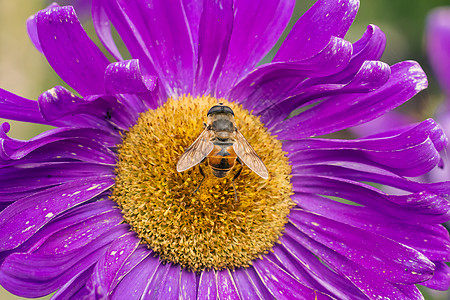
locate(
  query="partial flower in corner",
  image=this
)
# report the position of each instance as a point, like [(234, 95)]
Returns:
[(96, 208), (437, 37)]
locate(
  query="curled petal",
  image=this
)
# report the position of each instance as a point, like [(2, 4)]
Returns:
[(421, 142), (58, 102), (324, 19), (276, 81), (70, 52), (371, 76), (147, 31), (126, 77), (343, 111)]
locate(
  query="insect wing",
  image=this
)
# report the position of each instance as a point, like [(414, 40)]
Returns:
[(199, 149), (248, 156)]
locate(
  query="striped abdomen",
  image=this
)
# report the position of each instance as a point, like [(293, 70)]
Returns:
[(222, 159)]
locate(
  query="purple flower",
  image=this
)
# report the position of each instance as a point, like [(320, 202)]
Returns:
[(95, 207), (438, 45)]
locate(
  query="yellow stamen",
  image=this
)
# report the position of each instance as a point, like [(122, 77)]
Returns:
[(207, 229)]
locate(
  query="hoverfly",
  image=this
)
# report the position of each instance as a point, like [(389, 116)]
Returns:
[(221, 144)]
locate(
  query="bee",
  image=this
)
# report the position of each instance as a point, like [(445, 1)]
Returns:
[(221, 144)]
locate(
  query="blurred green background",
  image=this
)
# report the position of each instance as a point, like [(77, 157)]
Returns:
[(24, 71)]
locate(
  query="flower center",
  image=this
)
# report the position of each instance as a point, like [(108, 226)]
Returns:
[(206, 229)]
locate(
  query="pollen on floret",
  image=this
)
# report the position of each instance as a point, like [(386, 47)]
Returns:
[(206, 229)]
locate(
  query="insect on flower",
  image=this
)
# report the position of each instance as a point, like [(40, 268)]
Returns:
[(221, 145)]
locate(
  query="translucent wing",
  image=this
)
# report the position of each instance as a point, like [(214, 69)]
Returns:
[(196, 152), (248, 156)]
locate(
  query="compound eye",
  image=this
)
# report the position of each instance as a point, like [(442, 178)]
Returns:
[(216, 109)]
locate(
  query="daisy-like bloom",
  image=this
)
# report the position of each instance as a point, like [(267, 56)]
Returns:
[(95, 207)]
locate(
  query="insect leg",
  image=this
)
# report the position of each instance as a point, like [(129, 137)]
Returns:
[(204, 176), (236, 176)]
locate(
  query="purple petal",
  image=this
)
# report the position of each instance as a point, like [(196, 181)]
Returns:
[(369, 173), (17, 108), (245, 287), (32, 32), (58, 102), (164, 284), (188, 285), (369, 282), (369, 48), (70, 52), (420, 144), (131, 262), (281, 284), (193, 10), (337, 285), (155, 286), (107, 267), (133, 284), (33, 176), (226, 286), (169, 288), (395, 262), (126, 77), (33, 275), (215, 28), (32, 29), (160, 32), (274, 82), (60, 105), (79, 143), (102, 27), (207, 286), (425, 206), (340, 112), (74, 285), (258, 284), (324, 19), (23, 218), (431, 240), (96, 210), (366, 52), (438, 45), (371, 76), (300, 270), (441, 278), (257, 27), (72, 238)]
